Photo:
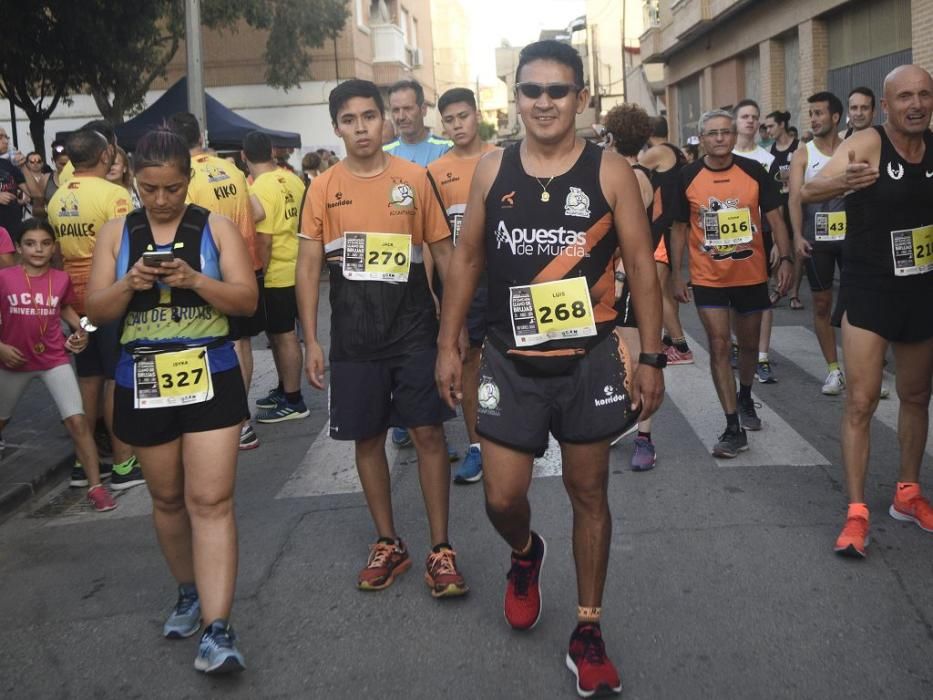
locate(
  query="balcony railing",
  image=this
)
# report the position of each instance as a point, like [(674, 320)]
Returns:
[(389, 44)]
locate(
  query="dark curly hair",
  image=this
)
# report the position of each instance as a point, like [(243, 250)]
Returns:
[(630, 127)]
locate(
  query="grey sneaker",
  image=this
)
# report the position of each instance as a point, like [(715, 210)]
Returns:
[(748, 417), (271, 400), (730, 444), (764, 373), (217, 652), (185, 619), (643, 458)]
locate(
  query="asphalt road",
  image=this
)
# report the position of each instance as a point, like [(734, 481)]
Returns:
[(722, 581)]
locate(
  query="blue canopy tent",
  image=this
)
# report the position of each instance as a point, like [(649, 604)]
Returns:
[(225, 128)]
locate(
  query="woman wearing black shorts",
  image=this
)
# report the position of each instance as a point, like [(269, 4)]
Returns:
[(173, 273)]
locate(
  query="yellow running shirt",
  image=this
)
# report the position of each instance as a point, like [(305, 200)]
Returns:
[(77, 211), (280, 193), (220, 187), (67, 173)]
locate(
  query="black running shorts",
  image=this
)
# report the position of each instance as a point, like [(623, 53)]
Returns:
[(590, 404), (476, 317), (281, 309), (895, 316), (147, 427), (745, 300), (250, 326), (99, 358), (821, 265), (367, 396), (624, 308)]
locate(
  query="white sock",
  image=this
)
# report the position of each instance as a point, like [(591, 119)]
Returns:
[(762, 357)]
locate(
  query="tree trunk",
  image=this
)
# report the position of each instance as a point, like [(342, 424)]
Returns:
[(37, 132), (109, 111)]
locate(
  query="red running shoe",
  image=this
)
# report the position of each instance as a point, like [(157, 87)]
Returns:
[(853, 539), (523, 591), (910, 506), (595, 673), (442, 576), (386, 561)]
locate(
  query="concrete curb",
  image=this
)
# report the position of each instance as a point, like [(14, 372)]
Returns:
[(17, 494)]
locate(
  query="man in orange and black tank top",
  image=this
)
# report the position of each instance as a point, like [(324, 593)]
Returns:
[(544, 219)]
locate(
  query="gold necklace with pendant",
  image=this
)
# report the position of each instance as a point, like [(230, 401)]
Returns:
[(42, 321), (545, 195)]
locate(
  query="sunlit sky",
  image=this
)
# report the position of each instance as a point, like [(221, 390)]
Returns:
[(518, 21)]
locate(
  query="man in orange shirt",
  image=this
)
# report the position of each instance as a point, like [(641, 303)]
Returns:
[(452, 174), (719, 216), (368, 217)]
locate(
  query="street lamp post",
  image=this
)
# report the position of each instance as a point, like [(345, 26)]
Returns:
[(196, 104)]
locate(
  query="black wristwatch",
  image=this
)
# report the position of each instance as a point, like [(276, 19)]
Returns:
[(787, 258), (653, 359)]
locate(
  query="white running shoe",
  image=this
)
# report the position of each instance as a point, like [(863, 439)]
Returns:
[(885, 393), (835, 383)]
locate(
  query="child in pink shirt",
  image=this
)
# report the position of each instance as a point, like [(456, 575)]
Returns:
[(6, 248), (34, 299)]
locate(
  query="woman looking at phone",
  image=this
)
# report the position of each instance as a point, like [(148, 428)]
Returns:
[(179, 397)]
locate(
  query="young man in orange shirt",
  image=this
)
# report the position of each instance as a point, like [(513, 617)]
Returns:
[(452, 174)]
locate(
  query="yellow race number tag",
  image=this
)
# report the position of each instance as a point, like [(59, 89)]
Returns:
[(377, 257), (727, 227), (551, 311), (172, 379), (912, 250), (830, 226)]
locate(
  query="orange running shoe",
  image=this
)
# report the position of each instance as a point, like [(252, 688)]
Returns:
[(853, 539), (442, 576), (387, 559), (910, 506)]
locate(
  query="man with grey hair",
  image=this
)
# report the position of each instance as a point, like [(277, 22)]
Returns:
[(722, 199)]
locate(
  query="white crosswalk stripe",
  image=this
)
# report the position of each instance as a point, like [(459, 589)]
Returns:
[(777, 444), (800, 345)]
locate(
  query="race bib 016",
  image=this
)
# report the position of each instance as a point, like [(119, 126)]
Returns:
[(172, 379), (912, 250), (727, 227), (829, 226), (377, 257), (551, 311)]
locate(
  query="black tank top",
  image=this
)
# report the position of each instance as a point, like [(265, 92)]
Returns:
[(782, 161), (666, 188), (530, 241), (901, 198)]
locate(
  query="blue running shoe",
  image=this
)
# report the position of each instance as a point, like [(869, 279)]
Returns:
[(643, 457), (217, 652), (471, 470), (283, 412), (764, 373), (185, 619), (272, 399), (401, 438)]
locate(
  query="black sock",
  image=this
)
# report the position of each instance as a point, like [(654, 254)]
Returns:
[(682, 346), (443, 545), (732, 422), (666, 339), (293, 396), (745, 392), (647, 435), (280, 387), (532, 551), (388, 540)]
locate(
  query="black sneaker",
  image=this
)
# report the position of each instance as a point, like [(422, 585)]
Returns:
[(730, 444), (128, 479), (79, 478), (748, 417)]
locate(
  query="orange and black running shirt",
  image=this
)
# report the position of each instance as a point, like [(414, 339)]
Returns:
[(529, 240), (372, 320), (743, 185), (452, 175)]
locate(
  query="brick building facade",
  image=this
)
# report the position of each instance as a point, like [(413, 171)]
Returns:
[(779, 52)]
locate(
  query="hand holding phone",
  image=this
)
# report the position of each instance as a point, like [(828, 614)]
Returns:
[(155, 258)]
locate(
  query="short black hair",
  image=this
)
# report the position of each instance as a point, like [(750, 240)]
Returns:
[(455, 95), (409, 85), (84, 146), (34, 224), (185, 124), (780, 117), (162, 146), (793, 130), (103, 127), (746, 103), (550, 50), (660, 129), (862, 90), (349, 89), (257, 147), (835, 104), (58, 148)]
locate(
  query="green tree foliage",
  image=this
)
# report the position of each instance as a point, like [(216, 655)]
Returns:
[(487, 131)]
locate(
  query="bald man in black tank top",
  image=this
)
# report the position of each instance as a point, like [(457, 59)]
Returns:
[(886, 288), (545, 219)]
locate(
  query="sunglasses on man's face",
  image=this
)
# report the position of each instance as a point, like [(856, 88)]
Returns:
[(33, 161), (555, 91)]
